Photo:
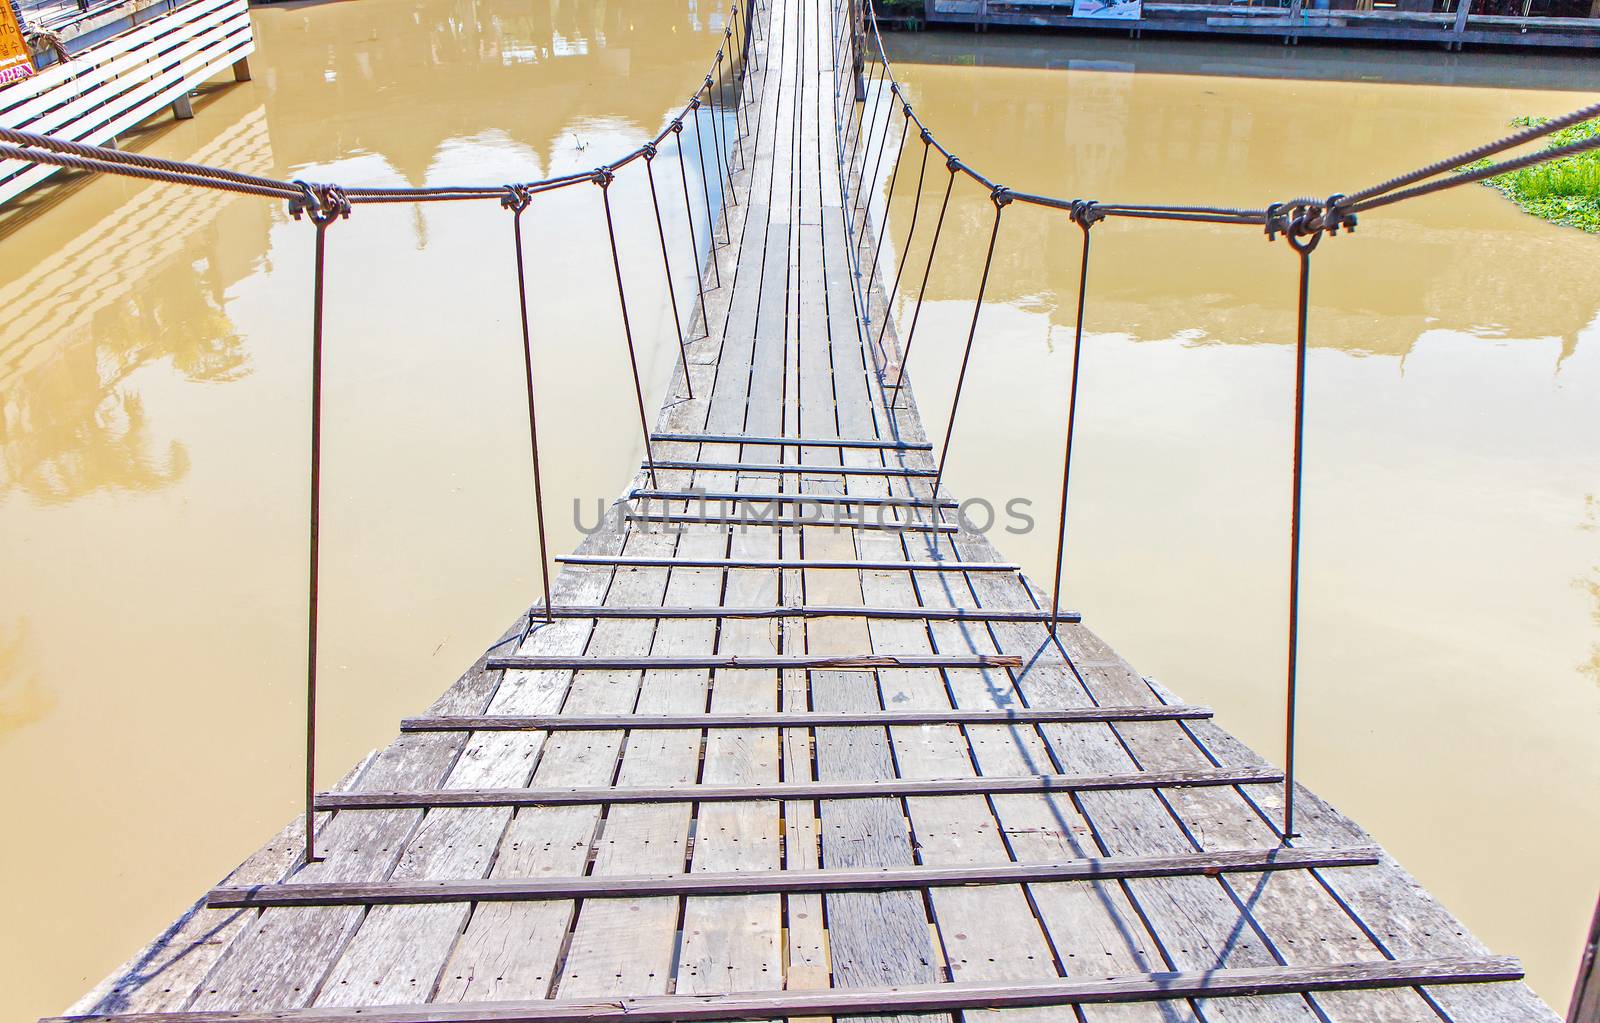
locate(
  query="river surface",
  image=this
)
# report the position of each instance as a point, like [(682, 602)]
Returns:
[(153, 427)]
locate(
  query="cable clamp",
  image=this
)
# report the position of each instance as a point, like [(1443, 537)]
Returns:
[(603, 177), (322, 203), (649, 150), (1335, 217), (1001, 196), (952, 163), (677, 125), (1086, 213), (517, 198)]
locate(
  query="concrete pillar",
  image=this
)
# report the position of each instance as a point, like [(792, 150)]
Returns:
[(182, 109)]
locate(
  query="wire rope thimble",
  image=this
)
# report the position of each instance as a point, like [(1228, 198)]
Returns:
[(1086, 213), (517, 198), (603, 176), (1304, 228)]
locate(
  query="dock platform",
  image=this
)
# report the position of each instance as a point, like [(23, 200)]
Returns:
[(798, 770)]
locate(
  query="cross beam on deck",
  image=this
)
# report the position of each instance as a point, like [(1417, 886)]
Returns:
[(983, 785), (768, 882), (846, 499), (809, 470), (845, 662), (690, 518), (788, 563), (800, 719), (905, 998), (804, 442), (932, 614)]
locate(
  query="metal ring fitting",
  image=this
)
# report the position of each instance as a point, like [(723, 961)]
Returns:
[(602, 176), (517, 198), (649, 150), (1001, 195)]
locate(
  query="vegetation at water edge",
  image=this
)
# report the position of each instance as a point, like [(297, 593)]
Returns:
[(1564, 191)]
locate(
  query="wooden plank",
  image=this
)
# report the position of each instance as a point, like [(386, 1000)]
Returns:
[(803, 719), (988, 933), (733, 941), (874, 938), (858, 662), (512, 950), (625, 946), (883, 1000)]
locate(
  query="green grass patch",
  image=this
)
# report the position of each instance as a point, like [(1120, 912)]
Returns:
[(1564, 191)]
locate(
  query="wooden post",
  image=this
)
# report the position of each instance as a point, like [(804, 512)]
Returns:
[(182, 108), (241, 69), (1463, 8)]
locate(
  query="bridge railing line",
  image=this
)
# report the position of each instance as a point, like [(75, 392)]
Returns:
[(1302, 222)]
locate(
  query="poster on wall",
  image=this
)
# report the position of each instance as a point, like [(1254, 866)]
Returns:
[(16, 60), (1119, 10)]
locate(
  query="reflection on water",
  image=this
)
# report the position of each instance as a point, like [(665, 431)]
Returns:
[(154, 365), (1449, 629)]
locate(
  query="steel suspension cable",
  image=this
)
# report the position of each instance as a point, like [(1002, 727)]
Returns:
[(323, 205), (718, 147), (1303, 245), (1085, 219), (666, 265), (694, 244), (517, 201), (603, 178), (705, 186), (1001, 200), (888, 203), (877, 167), (922, 293)]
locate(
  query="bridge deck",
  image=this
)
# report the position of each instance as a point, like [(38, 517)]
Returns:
[(475, 865)]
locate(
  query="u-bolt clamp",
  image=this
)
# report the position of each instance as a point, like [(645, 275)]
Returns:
[(517, 198), (322, 203), (1276, 222), (1335, 216)]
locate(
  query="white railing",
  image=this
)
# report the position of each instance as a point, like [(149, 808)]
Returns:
[(107, 89)]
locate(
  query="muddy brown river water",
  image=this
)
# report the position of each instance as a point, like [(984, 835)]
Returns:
[(153, 431)]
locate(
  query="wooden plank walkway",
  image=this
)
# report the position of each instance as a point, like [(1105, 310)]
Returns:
[(784, 770)]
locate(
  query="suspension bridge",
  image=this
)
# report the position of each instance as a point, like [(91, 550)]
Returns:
[(821, 751)]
